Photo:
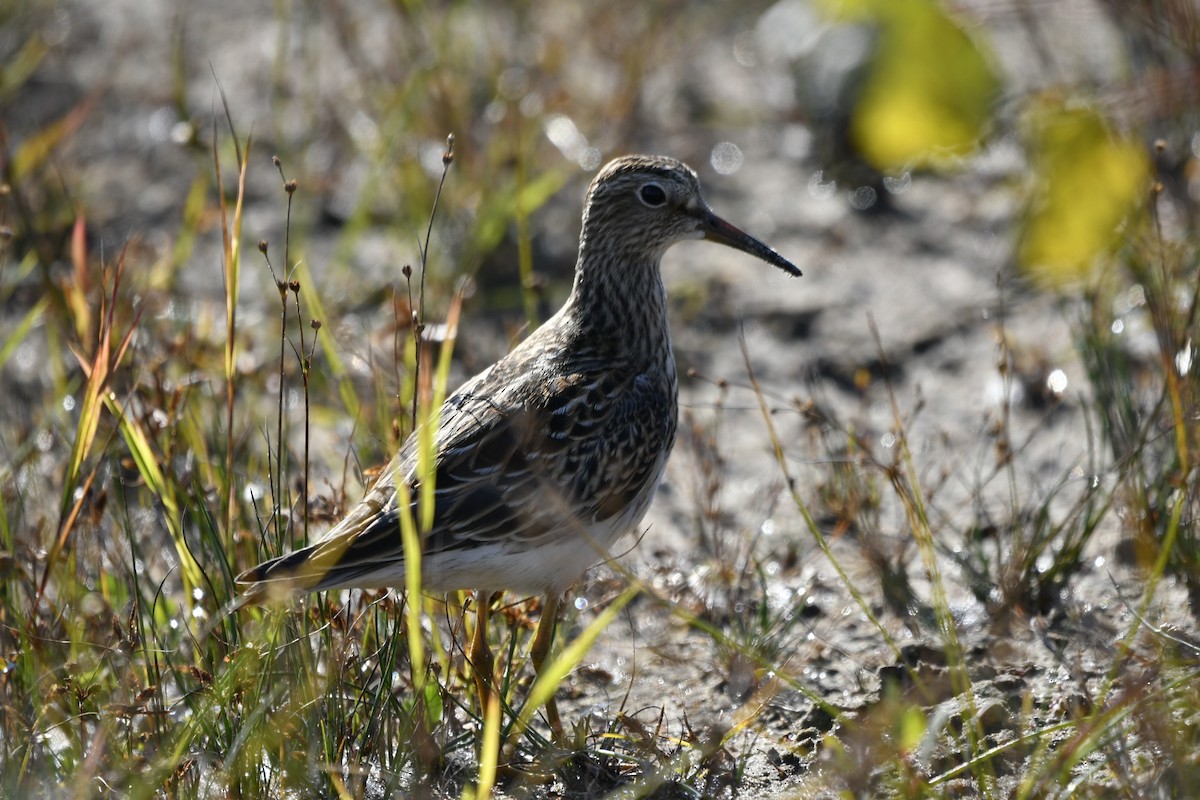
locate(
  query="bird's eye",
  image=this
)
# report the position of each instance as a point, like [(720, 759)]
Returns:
[(653, 195)]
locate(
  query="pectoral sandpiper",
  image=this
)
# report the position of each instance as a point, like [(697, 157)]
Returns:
[(543, 460)]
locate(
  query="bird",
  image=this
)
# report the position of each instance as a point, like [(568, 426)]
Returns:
[(543, 460)]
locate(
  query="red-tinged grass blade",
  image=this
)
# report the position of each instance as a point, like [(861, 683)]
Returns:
[(89, 409), (76, 293), (98, 371)]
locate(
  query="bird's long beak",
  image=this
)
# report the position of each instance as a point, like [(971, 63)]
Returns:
[(715, 229)]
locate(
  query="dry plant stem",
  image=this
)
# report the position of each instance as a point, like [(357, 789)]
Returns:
[(275, 463), (1006, 456), (305, 360), (277, 484), (419, 321), (447, 160), (316, 326), (289, 188)]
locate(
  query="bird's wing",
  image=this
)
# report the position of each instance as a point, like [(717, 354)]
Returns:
[(565, 457), (516, 461)]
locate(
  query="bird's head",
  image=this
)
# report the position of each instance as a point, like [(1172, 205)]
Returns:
[(645, 204)]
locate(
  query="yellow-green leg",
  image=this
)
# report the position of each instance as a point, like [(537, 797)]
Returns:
[(483, 665), (538, 652)]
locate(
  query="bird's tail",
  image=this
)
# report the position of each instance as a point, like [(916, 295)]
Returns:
[(309, 569)]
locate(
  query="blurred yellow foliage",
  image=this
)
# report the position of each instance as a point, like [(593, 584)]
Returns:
[(1087, 181), (929, 91), (911, 729)]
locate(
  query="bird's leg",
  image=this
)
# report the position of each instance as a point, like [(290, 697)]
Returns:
[(482, 664), (540, 649)]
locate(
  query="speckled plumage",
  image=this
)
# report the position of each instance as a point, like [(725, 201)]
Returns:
[(547, 457)]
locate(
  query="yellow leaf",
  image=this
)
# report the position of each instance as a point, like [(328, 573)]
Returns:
[(1087, 182), (929, 90)]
